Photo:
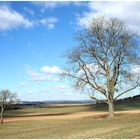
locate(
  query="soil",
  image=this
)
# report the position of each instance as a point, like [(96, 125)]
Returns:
[(77, 115)]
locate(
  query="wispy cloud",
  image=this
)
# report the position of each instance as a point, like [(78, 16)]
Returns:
[(10, 19), (29, 10), (127, 11), (60, 92), (51, 4), (136, 69), (52, 70), (55, 4), (38, 77), (59, 89), (49, 22), (53, 89), (22, 84)]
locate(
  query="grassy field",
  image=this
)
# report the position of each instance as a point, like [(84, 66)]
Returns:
[(122, 126), (67, 109), (53, 110)]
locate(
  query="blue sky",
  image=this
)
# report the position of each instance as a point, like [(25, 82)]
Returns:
[(35, 35)]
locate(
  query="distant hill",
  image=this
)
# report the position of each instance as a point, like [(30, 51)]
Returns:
[(28, 104), (137, 97), (56, 101), (134, 98)]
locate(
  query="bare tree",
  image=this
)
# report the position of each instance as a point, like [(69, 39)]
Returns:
[(6, 98), (101, 64)]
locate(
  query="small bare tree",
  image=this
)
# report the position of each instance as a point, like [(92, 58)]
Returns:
[(102, 62), (6, 98)]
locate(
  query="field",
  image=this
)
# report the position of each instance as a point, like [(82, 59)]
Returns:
[(72, 121)]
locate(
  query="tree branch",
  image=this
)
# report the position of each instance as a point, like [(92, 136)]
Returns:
[(126, 91)]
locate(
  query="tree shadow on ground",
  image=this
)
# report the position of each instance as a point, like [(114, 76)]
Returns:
[(119, 106)]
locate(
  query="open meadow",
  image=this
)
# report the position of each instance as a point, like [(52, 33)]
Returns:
[(72, 121), (69, 69)]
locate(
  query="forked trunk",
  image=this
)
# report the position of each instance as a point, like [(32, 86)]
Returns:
[(111, 109)]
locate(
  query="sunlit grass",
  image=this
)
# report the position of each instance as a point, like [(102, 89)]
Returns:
[(122, 126)]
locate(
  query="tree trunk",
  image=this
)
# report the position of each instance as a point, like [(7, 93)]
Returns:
[(111, 109), (1, 115)]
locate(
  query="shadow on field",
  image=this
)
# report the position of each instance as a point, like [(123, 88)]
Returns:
[(119, 106), (97, 107), (51, 114), (37, 115), (15, 113), (56, 110)]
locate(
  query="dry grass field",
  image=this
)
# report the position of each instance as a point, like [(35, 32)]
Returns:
[(72, 121)]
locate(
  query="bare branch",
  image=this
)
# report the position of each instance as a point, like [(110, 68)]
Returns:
[(108, 44), (126, 91)]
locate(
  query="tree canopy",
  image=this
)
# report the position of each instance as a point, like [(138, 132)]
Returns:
[(102, 63), (6, 98)]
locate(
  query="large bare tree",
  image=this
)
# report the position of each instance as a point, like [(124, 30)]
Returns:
[(6, 98), (102, 63)]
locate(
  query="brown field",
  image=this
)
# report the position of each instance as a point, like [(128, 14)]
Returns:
[(72, 121), (77, 115)]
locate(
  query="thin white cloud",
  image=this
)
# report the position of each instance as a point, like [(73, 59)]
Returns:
[(10, 19), (136, 69), (52, 70), (79, 3), (51, 4), (53, 89), (38, 77), (31, 72), (28, 10), (22, 84), (51, 93), (45, 5), (127, 11), (49, 22), (60, 89), (30, 91)]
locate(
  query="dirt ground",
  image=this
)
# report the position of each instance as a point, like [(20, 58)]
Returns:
[(77, 115)]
